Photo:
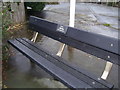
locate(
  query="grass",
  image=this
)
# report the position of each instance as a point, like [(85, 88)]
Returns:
[(107, 25)]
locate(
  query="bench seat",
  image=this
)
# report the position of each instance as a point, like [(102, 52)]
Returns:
[(69, 74)]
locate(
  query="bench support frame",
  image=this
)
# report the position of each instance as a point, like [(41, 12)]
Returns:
[(61, 49), (107, 70), (34, 37)]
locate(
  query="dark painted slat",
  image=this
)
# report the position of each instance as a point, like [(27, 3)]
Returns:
[(97, 40), (62, 75), (38, 49), (41, 26), (79, 45), (60, 63)]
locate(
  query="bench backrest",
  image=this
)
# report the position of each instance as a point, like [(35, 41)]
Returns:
[(102, 46)]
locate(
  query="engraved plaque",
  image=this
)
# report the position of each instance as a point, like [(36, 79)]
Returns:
[(62, 29)]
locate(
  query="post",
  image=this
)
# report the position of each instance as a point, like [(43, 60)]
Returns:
[(71, 24), (72, 13)]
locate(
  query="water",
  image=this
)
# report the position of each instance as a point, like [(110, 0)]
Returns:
[(23, 74)]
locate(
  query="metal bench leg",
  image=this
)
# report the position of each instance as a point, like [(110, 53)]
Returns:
[(33, 40), (61, 49), (34, 37), (107, 70)]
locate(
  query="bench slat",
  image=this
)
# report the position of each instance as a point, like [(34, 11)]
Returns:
[(91, 43), (100, 41), (60, 64), (62, 75), (67, 66)]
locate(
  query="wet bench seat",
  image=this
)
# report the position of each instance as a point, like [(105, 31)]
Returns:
[(69, 74)]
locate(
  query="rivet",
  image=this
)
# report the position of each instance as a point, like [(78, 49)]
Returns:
[(93, 82), (99, 79), (111, 45), (90, 56), (98, 58), (59, 38), (46, 55), (108, 56)]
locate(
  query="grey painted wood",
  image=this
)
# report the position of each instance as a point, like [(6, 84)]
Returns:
[(104, 47), (50, 62), (62, 75)]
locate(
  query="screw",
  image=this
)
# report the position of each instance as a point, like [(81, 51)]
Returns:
[(90, 56), (108, 56), (111, 45), (93, 82), (99, 79), (98, 58)]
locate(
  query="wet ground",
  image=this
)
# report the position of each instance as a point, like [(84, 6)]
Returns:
[(0, 46), (90, 17)]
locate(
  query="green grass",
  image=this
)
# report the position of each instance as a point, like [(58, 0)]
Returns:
[(107, 25)]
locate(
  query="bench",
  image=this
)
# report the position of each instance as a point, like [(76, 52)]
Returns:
[(69, 74)]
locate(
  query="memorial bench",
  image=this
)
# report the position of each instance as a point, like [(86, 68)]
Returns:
[(69, 74)]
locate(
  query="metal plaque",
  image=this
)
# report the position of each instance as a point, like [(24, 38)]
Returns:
[(62, 29)]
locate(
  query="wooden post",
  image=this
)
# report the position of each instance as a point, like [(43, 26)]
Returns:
[(18, 9)]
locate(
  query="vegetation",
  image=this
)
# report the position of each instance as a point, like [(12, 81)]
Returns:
[(52, 3), (36, 6), (6, 22), (114, 3), (106, 24)]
